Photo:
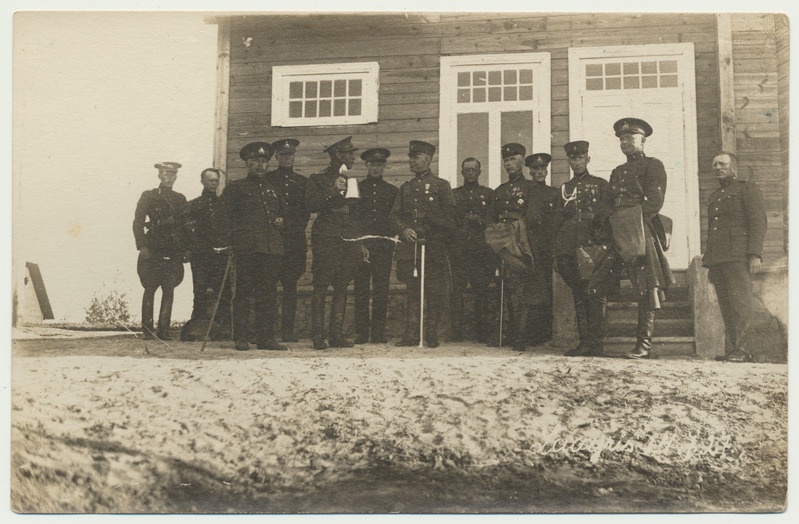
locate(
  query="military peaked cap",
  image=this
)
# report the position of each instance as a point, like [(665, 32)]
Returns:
[(632, 125), (375, 154), (345, 144), (418, 146), (168, 166), (578, 147), (256, 149), (538, 159), (513, 149), (285, 145)]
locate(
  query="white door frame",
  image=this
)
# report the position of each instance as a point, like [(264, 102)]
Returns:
[(449, 110), (684, 55)]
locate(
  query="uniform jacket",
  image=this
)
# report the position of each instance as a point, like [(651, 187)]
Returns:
[(736, 223), (584, 219), (249, 209), (199, 224), (158, 221), (336, 218), (640, 180), (290, 188), (540, 220), (374, 206), (472, 202), (510, 200)]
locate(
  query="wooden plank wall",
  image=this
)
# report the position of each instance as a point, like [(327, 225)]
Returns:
[(760, 104)]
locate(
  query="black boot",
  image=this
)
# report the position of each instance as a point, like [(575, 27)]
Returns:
[(581, 315), (338, 308), (597, 314), (646, 326), (165, 313), (288, 313), (411, 336), (520, 312), (456, 317), (147, 327), (431, 330), (318, 319), (481, 322)]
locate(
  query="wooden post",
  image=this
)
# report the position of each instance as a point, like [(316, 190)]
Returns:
[(726, 85), (222, 99)]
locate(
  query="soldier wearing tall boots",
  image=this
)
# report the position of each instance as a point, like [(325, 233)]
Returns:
[(290, 187), (423, 213), (207, 265), (641, 180), (336, 253), (523, 286), (540, 230), (376, 198), (250, 223), (159, 232), (581, 223), (472, 261)]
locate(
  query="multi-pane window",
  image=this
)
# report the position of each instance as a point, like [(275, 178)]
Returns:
[(495, 85), (326, 94), (642, 74)]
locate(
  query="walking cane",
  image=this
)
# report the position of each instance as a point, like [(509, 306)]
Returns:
[(218, 299), (501, 271), (421, 300)]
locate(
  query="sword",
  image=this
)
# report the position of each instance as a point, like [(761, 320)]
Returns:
[(501, 271), (218, 299), (421, 300)]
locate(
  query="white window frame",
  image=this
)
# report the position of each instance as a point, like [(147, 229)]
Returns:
[(450, 109), (367, 72)]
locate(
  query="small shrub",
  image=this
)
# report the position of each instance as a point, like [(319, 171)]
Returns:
[(108, 307)]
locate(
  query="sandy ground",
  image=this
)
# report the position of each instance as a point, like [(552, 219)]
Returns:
[(117, 425)]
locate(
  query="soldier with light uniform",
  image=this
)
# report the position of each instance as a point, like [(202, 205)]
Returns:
[(290, 187), (376, 199), (641, 180), (424, 212), (581, 222)]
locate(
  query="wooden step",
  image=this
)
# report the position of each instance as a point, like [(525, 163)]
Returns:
[(628, 311), (661, 346), (627, 293), (671, 327)]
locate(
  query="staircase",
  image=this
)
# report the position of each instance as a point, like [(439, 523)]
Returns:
[(674, 322)]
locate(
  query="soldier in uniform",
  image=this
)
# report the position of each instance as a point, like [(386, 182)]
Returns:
[(250, 221), (376, 198), (424, 212), (584, 205), (472, 261), (523, 286), (290, 187), (736, 229), (336, 254), (161, 242), (642, 181), (207, 265), (540, 229)]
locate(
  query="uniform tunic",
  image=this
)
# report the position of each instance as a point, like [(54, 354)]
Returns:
[(376, 199), (158, 225), (290, 188), (736, 230)]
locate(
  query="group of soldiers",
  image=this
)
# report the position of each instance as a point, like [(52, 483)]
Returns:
[(504, 243)]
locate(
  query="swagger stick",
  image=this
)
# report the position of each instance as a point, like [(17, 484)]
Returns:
[(421, 299), (501, 299), (218, 299)]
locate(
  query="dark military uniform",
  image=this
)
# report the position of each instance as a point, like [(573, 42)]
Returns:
[(736, 229), (472, 261), (207, 266), (426, 205), (541, 211), (250, 221), (376, 199), (642, 180), (335, 254), (158, 226), (291, 187), (585, 203)]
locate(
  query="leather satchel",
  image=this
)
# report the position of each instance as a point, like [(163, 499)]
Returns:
[(627, 225), (589, 257)]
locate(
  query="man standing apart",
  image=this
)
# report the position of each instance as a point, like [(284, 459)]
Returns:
[(376, 198), (642, 181), (736, 229), (207, 265), (472, 260), (250, 222), (585, 203), (424, 212), (335, 252), (162, 248), (540, 230), (290, 188)]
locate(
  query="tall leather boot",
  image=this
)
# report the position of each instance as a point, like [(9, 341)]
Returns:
[(318, 319), (520, 312), (597, 316), (362, 292), (411, 336), (581, 315), (288, 312), (338, 308), (165, 313), (456, 316), (147, 306), (646, 326), (481, 322)]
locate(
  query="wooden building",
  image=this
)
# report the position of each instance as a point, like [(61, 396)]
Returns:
[(470, 82)]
